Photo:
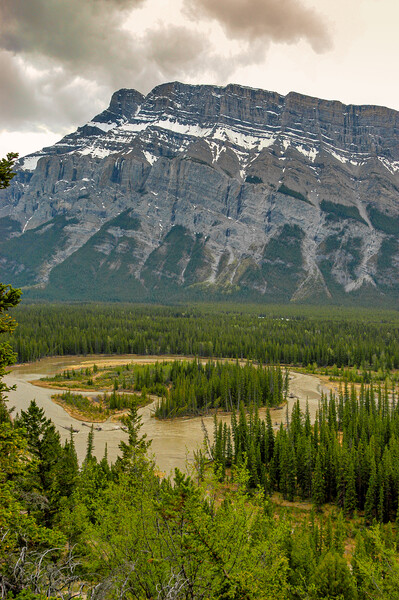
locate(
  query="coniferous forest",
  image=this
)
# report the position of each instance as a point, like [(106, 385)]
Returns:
[(305, 511), (183, 387), (348, 458), (344, 337)]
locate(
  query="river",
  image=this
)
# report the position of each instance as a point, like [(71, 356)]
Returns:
[(173, 441)]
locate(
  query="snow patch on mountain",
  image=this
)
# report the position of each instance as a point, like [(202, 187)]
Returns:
[(103, 126), (30, 162)]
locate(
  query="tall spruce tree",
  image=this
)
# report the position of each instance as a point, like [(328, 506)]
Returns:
[(318, 483), (9, 297)]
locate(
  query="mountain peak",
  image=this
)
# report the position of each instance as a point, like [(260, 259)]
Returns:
[(212, 190)]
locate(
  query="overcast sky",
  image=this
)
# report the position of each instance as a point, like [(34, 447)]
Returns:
[(60, 60)]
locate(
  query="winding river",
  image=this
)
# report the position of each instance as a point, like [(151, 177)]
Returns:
[(173, 441)]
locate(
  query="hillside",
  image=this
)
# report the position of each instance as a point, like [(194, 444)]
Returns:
[(205, 192)]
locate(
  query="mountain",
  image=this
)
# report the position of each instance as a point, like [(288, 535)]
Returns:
[(210, 192)]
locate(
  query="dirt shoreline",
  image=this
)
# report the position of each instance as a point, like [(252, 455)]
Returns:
[(173, 441), (112, 361)]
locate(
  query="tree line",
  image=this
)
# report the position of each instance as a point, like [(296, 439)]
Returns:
[(268, 334), (196, 387), (102, 531)]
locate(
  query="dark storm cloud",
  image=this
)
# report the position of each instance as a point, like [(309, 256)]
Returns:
[(81, 36), (285, 21), (61, 60)]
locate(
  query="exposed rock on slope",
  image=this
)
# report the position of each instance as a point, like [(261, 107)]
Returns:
[(199, 190)]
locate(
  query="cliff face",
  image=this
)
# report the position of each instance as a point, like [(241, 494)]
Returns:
[(198, 190)]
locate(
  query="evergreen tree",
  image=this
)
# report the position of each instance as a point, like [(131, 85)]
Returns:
[(9, 297), (350, 500), (318, 484), (6, 172), (332, 579), (370, 507), (137, 445), (90, 445)]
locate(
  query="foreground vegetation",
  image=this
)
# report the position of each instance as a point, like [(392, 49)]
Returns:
[(123, 532)]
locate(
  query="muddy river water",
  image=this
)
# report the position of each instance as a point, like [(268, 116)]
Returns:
[(173, 441)]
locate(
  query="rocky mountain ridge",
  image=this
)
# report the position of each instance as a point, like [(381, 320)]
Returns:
[(202, 191)]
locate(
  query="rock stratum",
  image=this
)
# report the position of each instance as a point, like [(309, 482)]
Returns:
[(206, 192)]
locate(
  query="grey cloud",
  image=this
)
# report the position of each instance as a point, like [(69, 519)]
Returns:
[(285, 21), (175, 48), (81, 36), (30, 99), (62, 59), (14, 90)]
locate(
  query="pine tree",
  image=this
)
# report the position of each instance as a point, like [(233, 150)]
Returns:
[(6, 172), (332, 578), (318, 484), (90, 445), (66, 473), (9, 297), (370, 507), (137, 444), (350, 500)]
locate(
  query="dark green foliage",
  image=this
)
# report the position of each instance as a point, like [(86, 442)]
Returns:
[(253, 179), (44, 485), (7, 227), (178, 256), (97, 407), (196, 388), (122, 532), (137, 444), (9, 297), (318, 483), (387, 223), (88, 267), (286, 247), (352, 248), (268, 334), (350, 457), (176, 246), (283, 189), (332, 579), (6, 169), (331, 243), (350, 252), (185, 387), (282, 261), (389, 249), (198, 261), (337, 211)]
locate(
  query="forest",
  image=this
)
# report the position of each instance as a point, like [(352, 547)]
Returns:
[(297, 335), (305, 512), (183, 387), (349, 458)]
